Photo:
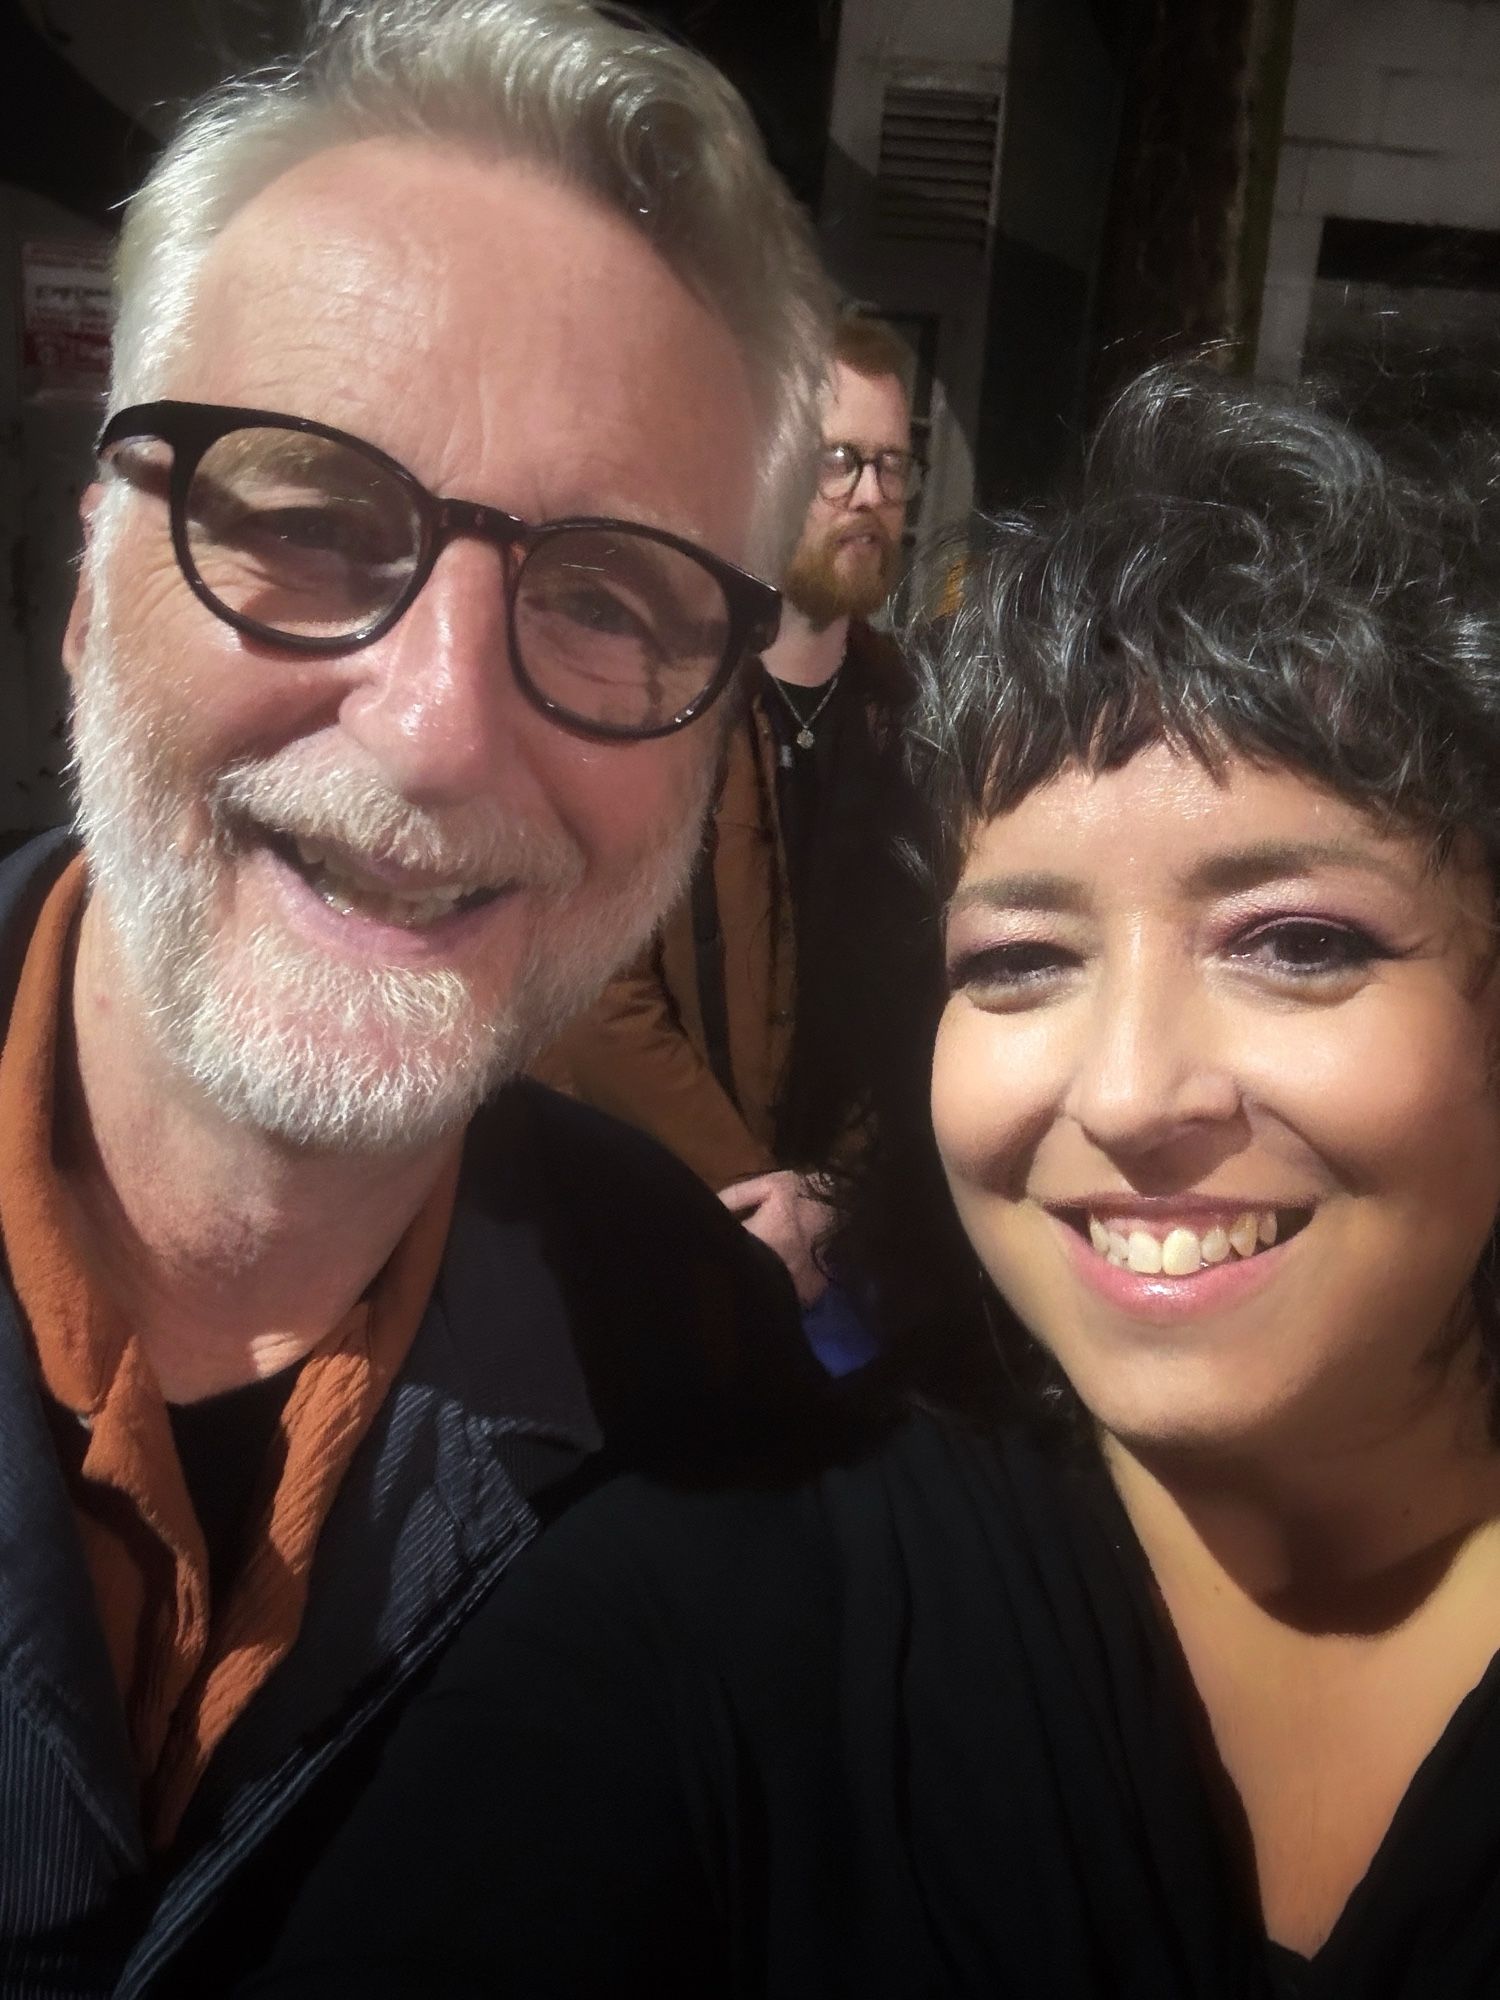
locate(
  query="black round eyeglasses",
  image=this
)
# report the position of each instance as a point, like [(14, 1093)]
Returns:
[(315, 541), (898, 474)]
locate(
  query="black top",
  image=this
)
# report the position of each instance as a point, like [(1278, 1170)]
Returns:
[(865, 934), (222, 1443), (915, 1729), (808, 775)]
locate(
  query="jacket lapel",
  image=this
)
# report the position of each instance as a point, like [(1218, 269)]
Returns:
[(55, 1673)]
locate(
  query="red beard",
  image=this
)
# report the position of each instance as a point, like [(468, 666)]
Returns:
[(823, 588)]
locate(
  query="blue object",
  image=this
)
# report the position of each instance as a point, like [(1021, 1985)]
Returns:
[(837, 1333)]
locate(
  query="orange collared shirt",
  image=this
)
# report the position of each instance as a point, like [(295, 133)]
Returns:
[(185, 1666)]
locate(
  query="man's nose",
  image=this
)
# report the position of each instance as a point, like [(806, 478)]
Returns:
[(436, 700), (1153, 1063), (866, 489)]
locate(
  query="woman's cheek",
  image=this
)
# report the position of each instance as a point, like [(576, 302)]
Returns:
[(988, 1091), (960, 1114), (1380, 1090)]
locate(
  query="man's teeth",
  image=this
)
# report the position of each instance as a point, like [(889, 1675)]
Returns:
[(1182, 1251), (352, 895)]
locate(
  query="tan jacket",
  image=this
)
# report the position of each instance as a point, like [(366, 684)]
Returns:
[(641, 1051)]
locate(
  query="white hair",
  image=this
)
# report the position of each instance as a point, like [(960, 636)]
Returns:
[(647, 128)]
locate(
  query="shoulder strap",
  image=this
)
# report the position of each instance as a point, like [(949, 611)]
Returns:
[(708, 961)]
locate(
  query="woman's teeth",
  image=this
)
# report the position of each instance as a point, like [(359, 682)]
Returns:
[(1181, 1252)]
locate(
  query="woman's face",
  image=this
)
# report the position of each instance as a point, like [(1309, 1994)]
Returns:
[(1186, 1016)]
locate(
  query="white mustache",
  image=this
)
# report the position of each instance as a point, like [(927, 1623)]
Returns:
[(354, 810)]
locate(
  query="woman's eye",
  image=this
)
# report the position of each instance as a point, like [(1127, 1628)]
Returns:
[(1304, 948), (1010, 971)]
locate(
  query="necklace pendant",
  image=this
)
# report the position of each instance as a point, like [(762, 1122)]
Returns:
[(805, 738)]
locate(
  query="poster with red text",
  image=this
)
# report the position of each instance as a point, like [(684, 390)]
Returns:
[(65, 318)]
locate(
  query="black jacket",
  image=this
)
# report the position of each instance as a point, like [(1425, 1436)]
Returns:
[(918, 1730), (591, 1292)]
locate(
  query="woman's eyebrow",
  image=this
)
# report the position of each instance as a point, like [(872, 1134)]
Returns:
[(1217, 874), (1266, 861), (1035, 891)]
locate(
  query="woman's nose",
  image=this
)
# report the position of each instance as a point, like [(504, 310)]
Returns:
[(1151, 1062)]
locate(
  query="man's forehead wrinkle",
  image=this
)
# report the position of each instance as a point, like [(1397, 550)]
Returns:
[(866, 409), (418, 303), (283, 277)]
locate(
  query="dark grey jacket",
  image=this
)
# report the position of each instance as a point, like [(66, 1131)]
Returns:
[(591, 1293)]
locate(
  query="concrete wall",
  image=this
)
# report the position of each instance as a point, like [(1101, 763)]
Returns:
[(1393, 115), (45, 462), (151, 56), (954, 44)]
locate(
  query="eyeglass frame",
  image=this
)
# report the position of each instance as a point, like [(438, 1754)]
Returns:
[(190, 429), (916, 472)]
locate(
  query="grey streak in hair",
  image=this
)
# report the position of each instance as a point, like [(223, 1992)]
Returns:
[(1237, 571)]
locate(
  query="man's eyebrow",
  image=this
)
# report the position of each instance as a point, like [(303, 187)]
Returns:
[(1266, 861), (1034, 891)]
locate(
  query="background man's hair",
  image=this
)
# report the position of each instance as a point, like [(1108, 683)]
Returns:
[(606, 105), (870, 347)]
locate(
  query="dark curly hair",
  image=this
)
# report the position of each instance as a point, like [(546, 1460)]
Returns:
[(1239, 573)]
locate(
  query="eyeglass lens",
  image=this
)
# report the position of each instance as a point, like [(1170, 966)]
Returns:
[(299, 534), (617, 628), (306, 537), (897, 473)]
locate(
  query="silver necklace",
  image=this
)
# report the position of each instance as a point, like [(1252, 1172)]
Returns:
[(804, 738)]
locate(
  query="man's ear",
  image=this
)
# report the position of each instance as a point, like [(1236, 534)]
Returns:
[(76, 631)]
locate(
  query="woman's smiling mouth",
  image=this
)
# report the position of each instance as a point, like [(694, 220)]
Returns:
[(1191, 1253), (1177, 1246)]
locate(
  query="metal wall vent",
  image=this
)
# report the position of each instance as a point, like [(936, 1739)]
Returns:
[(936, 175)]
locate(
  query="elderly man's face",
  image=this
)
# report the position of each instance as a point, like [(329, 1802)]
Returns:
[(276, 839)]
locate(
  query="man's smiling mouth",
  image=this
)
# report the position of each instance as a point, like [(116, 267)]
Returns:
[(373, 891)]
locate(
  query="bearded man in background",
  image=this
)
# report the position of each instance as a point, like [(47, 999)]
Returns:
[(747, 1035)]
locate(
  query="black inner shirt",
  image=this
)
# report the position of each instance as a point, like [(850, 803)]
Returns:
[(805, 777), (222, 1443), (864, 942), (1289, 1971)]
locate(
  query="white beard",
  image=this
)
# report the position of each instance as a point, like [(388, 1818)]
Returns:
[(301, 1046)]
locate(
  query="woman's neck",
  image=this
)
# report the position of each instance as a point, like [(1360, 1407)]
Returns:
[(1342, 1536), (1332, 1610)]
